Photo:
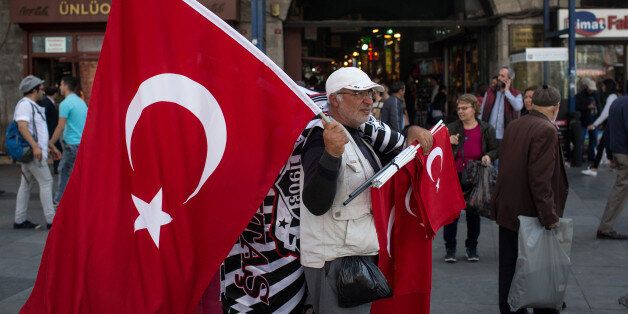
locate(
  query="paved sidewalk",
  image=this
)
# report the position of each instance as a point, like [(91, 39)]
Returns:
[(599, 274)]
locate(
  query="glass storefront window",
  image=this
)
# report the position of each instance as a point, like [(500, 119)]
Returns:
[(601, 62), (89, 43), (51, 44)]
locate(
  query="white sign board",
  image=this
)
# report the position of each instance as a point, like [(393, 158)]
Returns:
[(55, 45), (597, 23), (541, 55)]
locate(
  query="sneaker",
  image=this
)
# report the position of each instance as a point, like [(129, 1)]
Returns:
[(613, 235), (589, 172), (450, 257), (472, 255), (26, 225)]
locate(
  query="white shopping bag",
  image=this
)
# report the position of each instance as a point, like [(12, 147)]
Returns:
[(543, 265)]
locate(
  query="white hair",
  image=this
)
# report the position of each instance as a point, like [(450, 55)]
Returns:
[(511, 72)]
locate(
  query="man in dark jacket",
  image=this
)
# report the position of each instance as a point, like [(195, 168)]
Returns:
[(618, 137), (531, 181), (52, 117), (502, 104)]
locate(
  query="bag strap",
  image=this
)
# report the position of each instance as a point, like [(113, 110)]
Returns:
[(34, 124)]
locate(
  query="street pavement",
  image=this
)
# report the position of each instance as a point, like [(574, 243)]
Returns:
[(599, 274)]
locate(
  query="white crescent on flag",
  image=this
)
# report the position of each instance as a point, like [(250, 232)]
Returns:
[(436, 152), (185, 92)]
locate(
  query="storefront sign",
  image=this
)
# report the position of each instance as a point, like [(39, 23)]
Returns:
[(421, 47), (59, 11), (55, 45), (80, 11), (540, 55), (597, 23), (524, 36)]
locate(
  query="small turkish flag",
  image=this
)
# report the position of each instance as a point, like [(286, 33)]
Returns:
[(408, 210), (439, 187), (405, 249), (188, 126)]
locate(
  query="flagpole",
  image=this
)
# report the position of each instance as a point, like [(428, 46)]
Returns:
[(384, 174)]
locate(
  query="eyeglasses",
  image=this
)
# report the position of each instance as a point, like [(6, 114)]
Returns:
[(361, 94), (463, 108)]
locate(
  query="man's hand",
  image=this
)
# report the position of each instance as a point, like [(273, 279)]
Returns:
[(591, 127), (424, 137), (486, 160), (335, 138), (508, 82), (56, 154), (454, 139), (37, 153), (552, 226)]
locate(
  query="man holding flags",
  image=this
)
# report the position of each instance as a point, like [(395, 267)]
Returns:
[(336, 160)]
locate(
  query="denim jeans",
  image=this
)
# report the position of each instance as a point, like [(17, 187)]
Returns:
[(65, 169), (35, 172)]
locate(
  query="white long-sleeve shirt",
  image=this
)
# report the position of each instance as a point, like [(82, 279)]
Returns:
[(497, 113), (604, 115)]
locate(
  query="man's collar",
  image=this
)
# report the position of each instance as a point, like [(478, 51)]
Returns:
[(539, 114)]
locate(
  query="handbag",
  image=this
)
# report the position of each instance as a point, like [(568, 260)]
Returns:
[(469, 176), (479, 199), (360, 281)]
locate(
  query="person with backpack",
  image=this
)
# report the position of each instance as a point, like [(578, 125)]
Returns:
[(31, 123)]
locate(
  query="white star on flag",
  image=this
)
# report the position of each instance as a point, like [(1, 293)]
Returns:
[(152, 216)]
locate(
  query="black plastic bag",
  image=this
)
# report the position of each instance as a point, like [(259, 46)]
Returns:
[(360, 281), (479, 197)]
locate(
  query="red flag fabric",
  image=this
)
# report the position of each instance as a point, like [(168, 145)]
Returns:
[(408, 210), (187, 129), (439, 187), (405, 249)]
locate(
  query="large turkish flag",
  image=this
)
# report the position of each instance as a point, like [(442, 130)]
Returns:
[(187, 129)]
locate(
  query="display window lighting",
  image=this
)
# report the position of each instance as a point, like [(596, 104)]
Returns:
[(397, 35), (355, 53), (365, 47), (375, 30)]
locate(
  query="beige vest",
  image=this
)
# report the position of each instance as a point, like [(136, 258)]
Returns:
[(343, 230)]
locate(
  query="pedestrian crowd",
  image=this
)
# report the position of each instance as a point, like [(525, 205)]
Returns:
[(510, 137), (512, 134), (50, 132)]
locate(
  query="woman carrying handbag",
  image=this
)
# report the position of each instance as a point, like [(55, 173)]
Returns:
[(471, 139)]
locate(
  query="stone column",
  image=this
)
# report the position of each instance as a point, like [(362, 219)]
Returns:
[(11, 67)]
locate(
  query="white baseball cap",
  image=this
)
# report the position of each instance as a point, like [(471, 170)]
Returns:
[(589, 83), (350, 78)]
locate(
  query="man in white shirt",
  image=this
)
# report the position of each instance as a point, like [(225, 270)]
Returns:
[(31, 121)]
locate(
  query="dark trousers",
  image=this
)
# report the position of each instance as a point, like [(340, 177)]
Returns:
[(508, 252), (592, 134), (601, 146), (473, 232)]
